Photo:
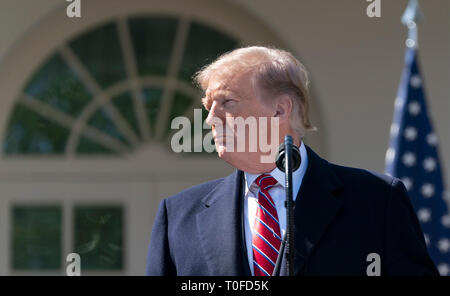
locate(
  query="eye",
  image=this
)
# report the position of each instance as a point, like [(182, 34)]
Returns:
[(226, 101)]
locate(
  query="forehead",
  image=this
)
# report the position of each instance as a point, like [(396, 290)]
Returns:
[(217, 86), (221, 84)]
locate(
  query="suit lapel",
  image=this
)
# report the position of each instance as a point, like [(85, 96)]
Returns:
[(219, 225), (315, 207)]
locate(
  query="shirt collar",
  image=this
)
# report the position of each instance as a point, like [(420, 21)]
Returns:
[(297, 176)]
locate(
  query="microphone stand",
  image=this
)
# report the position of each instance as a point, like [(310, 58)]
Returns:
[(289, 204), (288, 160)]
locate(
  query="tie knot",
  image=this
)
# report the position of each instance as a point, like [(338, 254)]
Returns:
[(265, 180)]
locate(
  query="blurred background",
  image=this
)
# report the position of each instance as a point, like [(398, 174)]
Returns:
[(86, 104)]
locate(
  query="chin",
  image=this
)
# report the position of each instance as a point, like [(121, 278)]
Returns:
[(221, 151)]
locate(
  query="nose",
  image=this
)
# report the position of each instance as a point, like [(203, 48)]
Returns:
[(215, 115)]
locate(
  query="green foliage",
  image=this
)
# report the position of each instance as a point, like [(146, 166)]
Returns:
[(36, 237), (99, 237)]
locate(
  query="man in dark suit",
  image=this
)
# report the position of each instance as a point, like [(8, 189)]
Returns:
[(348, 221)]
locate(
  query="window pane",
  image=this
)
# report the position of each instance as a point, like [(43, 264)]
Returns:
[(57, 85), (203, 46), (103, 122), (152, 97), (98, 237), (36, 237), (30, 133), (124, 103), (153, 40), (180, 106), (101, 53)]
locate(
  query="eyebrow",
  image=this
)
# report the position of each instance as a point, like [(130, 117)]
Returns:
[(220, 92), (206, 100)]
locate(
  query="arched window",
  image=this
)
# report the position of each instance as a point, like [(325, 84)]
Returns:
[(113, 87)]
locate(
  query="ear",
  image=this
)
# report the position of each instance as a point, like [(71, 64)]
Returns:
[(283, 108)]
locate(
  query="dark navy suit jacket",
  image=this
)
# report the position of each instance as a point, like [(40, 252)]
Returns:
[(341, 215)]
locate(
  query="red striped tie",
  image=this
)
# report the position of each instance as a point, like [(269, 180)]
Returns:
[(266, 232)]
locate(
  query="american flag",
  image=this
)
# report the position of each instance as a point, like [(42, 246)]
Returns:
[(413, 157)]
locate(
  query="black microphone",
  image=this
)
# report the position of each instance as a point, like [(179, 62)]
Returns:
[(281, 158)]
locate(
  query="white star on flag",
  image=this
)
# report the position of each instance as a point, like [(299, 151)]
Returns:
[(424, 215), (409, 159), (445, 220), (390, 154), (410, 133), (399, 102), (429, 164), (427, 238), (416, 81), (432, 139), (394, 129), (414, 108), (444, 245), (427, 190), (444, 269)]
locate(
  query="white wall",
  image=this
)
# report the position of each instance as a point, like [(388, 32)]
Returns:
[(19, 16)]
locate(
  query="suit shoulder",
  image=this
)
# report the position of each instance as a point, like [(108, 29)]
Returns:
[(183, 205), (194, 193), (358, 175), (368, 191)]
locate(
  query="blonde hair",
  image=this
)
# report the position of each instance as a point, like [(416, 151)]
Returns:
[(276, 71)]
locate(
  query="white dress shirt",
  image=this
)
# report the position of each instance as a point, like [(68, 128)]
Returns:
[(278, 195)]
